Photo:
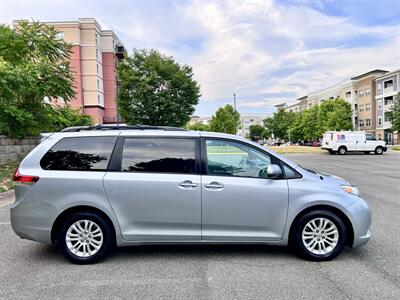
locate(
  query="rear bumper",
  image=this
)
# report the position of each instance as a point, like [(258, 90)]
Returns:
[(33, 220)]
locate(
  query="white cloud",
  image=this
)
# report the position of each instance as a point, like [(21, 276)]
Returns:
[(267, 52)]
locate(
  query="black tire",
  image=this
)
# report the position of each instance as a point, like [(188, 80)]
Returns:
[(331, 151), (379, 150), (296, 241), (106, 229), (342, 150)]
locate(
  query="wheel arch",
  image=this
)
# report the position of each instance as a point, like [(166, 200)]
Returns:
[(79, 208), (335, 210)]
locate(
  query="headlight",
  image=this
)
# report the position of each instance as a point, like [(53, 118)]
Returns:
[(351, 189)]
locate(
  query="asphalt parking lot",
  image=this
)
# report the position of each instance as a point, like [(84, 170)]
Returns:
[(32, 270)]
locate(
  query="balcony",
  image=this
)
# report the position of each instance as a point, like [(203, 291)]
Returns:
[(120, 51)]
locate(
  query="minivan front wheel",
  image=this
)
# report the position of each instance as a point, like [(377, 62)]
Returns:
[(85, 237), (319, 235)]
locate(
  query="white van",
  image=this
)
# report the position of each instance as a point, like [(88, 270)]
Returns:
[(344, 141)]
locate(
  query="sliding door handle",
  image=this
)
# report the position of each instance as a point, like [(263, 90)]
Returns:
[(188, 184), (214, 185)]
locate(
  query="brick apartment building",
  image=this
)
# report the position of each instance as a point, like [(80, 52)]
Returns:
[(95, 53)]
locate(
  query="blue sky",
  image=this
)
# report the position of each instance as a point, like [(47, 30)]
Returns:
[(267, 52)]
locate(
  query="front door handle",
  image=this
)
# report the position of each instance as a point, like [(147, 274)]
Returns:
[(214, 185), (188, 184)]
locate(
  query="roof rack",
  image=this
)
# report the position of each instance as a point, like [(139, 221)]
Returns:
[(121, 127)]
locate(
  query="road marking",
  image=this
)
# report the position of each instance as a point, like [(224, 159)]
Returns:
[(7, 203)]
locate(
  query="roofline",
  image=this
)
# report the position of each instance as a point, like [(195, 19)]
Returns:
[(368, 73), (388, 74)]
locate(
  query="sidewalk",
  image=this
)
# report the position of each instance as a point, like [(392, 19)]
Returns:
[(7, 198)]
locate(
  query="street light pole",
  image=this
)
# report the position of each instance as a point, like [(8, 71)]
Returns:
[(234, 101), (116, 95)]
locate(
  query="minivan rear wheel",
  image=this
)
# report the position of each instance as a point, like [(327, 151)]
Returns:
[(85, 237), (319, 235)]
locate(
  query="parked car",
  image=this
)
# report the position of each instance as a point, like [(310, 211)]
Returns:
[(352, 141), (89, 189)]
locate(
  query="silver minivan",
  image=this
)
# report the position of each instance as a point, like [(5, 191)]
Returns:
[(88, 189)]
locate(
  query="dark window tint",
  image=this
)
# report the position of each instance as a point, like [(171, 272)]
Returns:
[(79, 154), (159, 155)]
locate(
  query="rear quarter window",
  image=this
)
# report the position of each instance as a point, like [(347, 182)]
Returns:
[(79, 154)]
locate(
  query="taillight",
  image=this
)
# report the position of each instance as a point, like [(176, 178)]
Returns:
[(24, 179)]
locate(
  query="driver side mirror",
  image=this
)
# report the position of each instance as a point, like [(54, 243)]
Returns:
[(272, 171)]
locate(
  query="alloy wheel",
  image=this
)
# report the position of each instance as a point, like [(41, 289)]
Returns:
[(320, 236), (84, 238)]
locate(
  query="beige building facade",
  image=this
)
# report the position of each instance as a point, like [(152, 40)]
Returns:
[(359, 91)]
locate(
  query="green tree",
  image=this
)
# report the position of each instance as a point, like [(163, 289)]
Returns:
[(225, 120), (199, 127), (396, 114), (279, 123), (257, 132), (156, 90), (34, 65), (334, 115)]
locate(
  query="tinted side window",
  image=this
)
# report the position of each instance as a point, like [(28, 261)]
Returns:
[(79, 154), (159, 155)]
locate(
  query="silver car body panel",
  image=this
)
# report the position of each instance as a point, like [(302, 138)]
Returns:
[(148, 208)]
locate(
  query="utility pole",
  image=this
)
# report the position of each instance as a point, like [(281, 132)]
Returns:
[(234, 102)]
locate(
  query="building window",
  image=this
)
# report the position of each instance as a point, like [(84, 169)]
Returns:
[(97, 68), (361, 108), (97, 39), (60, 35), (348, 94), (361, 93), (98, 84), (379, 88), (367, 92), (388, 100), (361, 123), (368, 122), (388, 116), (367, 107), (379, 104), (98, 99), (388, 84), (97, 54), (379, 121), (113, 45)]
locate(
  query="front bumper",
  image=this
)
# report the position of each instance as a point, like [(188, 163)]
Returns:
[(361, 219)]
